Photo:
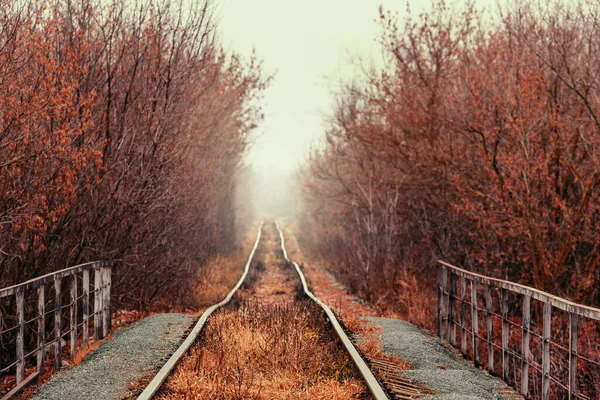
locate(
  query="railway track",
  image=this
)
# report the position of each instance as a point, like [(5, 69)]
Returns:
[(374, 387)]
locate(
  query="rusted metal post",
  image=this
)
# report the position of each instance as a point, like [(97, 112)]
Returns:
[(546, 351), (86, 306), (41, 328), (452, 310), (573, 332), (463, 316), (525, 346), (474, 322), (505, 335), (58, 324), (20, 335), (73, 315), (490, 327)]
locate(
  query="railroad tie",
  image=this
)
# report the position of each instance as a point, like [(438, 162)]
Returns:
[(399, 386)]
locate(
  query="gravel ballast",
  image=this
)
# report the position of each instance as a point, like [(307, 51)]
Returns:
[(133, 352), (435, 366)]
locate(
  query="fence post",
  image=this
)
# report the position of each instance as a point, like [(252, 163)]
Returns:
[(97, 304), (58, 324), (525, 345), (41, 328), (452, 309), (505, 335), (463, 316), (546, 351), (443, 304), (109, 291), (490, 327), (474, 322), (86, 306), (105, 300), (73, 315), (1, 319), (20, 336), (573, 331), (440, 302)]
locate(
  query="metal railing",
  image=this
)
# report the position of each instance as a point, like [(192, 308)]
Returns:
[(38, 315), (518, 323)]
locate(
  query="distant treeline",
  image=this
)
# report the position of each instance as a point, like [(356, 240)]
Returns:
[(122, 127), (478, 143)]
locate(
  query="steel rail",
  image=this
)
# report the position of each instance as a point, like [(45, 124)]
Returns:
[(166, 370), (374, 386)]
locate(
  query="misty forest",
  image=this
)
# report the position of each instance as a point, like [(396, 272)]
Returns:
[(189, 212)]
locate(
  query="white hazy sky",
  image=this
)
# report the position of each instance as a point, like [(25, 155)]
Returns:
[(308, 45)]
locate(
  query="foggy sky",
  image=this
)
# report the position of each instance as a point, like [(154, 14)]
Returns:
[(308, 45)]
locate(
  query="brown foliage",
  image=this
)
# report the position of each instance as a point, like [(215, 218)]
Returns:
[(478, 144), (122, 128)]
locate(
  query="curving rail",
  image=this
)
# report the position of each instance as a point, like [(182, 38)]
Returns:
[(166, 370), (374, 386)]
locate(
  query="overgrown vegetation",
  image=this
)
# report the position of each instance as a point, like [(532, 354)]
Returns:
[(268, 343), (477, 144), (122, 128), (259, 351)]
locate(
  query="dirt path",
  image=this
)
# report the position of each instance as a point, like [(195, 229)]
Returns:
[(269, 344)]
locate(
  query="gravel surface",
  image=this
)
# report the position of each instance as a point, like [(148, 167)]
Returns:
[(435, 366), (133, 352)]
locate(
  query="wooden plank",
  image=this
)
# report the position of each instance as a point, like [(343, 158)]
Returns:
[(445, 302), (1, 321), (505, 335), (17, 389), (490, 327), (41, 328), (34, 283), (58, 324), (573, 333), (105, 300), (475, 323), (525, 346), (440, 290), (546, 351), (97, 305), (86, 306), (452, 310), (73, 316), (463, 316), (555, 301), (20, 335), (108, 294)]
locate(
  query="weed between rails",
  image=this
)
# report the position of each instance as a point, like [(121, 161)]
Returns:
[(267, 351)]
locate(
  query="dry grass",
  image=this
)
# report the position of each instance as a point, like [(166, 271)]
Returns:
[(220, 274), (267, 344), (267, 352), (347, 308)]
